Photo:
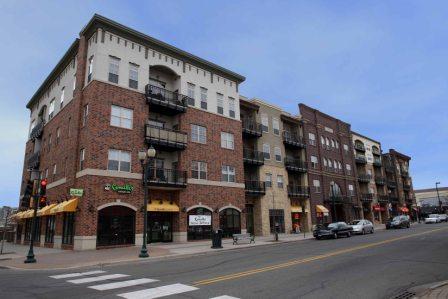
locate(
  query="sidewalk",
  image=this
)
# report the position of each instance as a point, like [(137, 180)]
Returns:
[(435, 291)]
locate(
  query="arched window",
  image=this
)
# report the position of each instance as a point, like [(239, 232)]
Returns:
[(335, 190), (199, 224), (230, 222)]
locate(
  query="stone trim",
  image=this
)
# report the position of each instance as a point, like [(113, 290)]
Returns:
[(230, 207), (200, 205), (117, 203), (215, 183), (57, 183), (109, 173)]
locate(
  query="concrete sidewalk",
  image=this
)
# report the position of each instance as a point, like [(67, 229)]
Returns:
[(437, 290)]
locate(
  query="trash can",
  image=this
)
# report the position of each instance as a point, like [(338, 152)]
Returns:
[(217, 239)]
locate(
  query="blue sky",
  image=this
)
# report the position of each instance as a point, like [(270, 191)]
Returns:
[(379, 65)]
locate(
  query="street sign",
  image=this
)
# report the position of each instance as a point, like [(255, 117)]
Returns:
[(76, 192)]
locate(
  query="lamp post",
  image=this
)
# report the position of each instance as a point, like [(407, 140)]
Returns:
[(438, 197), (145, 157), (30, 258), (275, 218), (333, 201)]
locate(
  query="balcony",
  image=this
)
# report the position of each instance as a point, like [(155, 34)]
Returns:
[(253, 157), (255, 188), (380, 181), (251, 128), (408, 199), (360, 159), (166, 178), (298, 191), (406, 187), (377, 162), (383, 198), (404, 173), (165, 139), (164, 101), (338, 200), (293, 140), (33, 161), (364, 178), (360, 147), (376, 151), (393, 199), (367, 197), (391, 184), (389, 168), (295, 165), (37, 131)]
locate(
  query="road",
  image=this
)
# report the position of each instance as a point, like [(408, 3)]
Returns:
[(381, 265)]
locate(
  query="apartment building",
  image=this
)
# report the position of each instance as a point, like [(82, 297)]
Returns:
[(117, 92), (399, 183), (277, 193), (332, 172), (371, 178)]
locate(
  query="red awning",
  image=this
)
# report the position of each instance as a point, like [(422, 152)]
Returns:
[(404, 209)]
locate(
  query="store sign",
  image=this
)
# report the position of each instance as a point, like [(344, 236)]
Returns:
[(76, 192), (128, 188), (194, 220)]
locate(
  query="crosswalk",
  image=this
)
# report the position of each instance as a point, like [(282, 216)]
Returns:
[(100, 280)]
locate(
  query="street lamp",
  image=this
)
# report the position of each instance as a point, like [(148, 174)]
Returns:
[(275, 218), (35, 174), (438, 197), (333, 201), (145, 157)]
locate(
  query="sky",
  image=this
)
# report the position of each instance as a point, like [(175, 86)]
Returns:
[(381, 66)]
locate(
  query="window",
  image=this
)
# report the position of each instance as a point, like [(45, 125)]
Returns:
[(119, 160), (62, 97), (85, 113), (203, 98), (325, 162), (46, 173), (280, 181), (58, 135), (51, 109), (50, 141), (351, 190), (68, 230), (89, 75), (33, 124), (348, 167), (228, 173), (314, 162), (50, 228), (114, 65), (220, 101), (198, 134), (335, 164), (337, 144), (316, 184), (265, 123), (322, 141), (227, 140), (69, 130), (133, 76), (278, 154), (191, 88), (333, 144), (268, 180), (276, 126), (340, 166), (311, 139), (54, 171), (327, 142), (199, 170), (231, 107), (345, 148), (82, 153), (121, 117), (266, 151), (74, 82)]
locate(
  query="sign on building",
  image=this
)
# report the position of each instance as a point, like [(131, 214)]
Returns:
[(194, 220)]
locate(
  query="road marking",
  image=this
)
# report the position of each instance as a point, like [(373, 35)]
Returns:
[(97, 278), (306, 260), (225, 297), (158, 292), (70, 275), (122, 284)]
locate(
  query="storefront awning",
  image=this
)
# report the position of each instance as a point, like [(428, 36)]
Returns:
[(296, 209), (45, 211), (162, 206), (321, 209), (404, 209), (17, 215), (66, 206), (27, 214)]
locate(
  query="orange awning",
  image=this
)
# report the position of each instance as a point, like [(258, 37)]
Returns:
[(45, 211), (321, 209), (66, 206)]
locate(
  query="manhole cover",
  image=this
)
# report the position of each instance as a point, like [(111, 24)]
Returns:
[(404, 295)]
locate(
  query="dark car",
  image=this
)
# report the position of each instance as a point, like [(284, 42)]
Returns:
[(332, 230), (401, 221)]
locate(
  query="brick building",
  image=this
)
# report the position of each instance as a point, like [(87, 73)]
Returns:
[(114, 93)]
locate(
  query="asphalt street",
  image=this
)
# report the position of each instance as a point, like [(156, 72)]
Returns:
[(381, 265)]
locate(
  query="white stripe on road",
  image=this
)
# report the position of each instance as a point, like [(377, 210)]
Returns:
[(70, 275), (158, 292), (121, 284), (225, 297), (97, 278)]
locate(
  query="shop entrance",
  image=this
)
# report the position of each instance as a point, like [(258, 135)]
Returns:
[(116, 226), (250, 219), (199, 224), (230, 222), (160, 227)]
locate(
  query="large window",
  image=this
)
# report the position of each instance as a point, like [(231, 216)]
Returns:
[(231, 107), (198, 134), (133, 76), (49, 229), (348, 168), (199, 170), (82, 153), (114, 66), (280, 181), (276, 126), (228, 173), (68, 228), (89, 75), (227, 140), (51, 109), (62, 97), (220, 103), (265, 123), (119, 160), (314, 162), (268, 180), (85, 113), (266, 151), (277, 220), (230, 222), (311, 139), (191, 90), (121, 117), (203, 98), (199, 224), (278, 154), (316, 184)]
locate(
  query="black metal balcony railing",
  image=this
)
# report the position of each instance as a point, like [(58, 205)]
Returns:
[(293, 140), (404, 173), (380, 181), (295, 165), (165, 138), (364, 178), (33, 161), (376, 151), (251, 128), (164, 101), (393, 199), (338, 199), (407, 187), (367, 197), (360, 159), (389, 168), (377, 162), (37, 131), (298, 191), (391, 184), (383, 198), (255, 187), (359, 147), (163, 177), (253, 157)]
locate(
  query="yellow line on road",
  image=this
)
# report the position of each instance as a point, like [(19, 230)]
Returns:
[(307, 260)]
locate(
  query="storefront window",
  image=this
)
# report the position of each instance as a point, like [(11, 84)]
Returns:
[(199, 224), (277, 216), (28, 227), (116, 226), (68, 230), (49, 229), (230, 222)]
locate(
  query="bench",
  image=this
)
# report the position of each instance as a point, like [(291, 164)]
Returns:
[(239, 237)]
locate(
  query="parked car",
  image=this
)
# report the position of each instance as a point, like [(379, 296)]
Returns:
[(443, 217), (433, 218), (401, 221), (332, 230), (362, 226)]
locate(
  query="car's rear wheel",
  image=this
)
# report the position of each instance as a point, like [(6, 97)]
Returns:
[(335, 235), (372, 230)]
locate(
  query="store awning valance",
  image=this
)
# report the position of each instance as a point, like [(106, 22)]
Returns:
[(17, 215), (45, 211), (296, 209), (27, 214), (404, 209), (321, 209), (162, 206), (66, 206)]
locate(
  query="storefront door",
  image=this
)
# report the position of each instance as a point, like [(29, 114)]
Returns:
[(116, 226), (199, 224), (250, 219), (160, 227)]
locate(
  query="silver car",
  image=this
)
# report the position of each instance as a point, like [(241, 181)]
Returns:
[(362, 226)]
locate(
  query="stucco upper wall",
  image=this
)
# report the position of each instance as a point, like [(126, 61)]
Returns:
[(368, 144)]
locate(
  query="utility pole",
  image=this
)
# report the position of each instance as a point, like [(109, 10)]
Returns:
[(4, 230), (438, 197)]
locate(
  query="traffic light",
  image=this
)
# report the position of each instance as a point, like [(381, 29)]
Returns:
[(43, 187), (28, 189), (42, 202)]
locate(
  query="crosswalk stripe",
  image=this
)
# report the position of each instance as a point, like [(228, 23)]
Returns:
[(224, 297), (97, 278), (70, 275), (121, 284), (158, 292)]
